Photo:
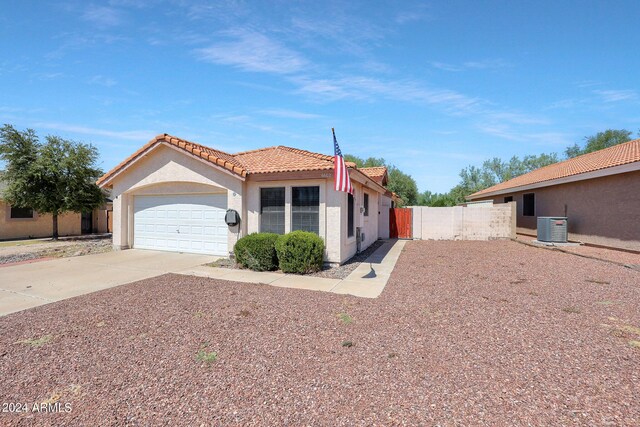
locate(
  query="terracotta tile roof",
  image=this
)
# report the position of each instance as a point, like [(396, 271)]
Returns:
[(377, 173), (283, 159), (216, 157), (618, 155), (264, 160)]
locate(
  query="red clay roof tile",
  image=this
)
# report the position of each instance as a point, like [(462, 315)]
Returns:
[(263, 160), (618, 155), (377, 173)]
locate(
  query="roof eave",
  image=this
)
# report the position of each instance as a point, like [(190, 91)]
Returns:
[(614, 170), (105, 181)]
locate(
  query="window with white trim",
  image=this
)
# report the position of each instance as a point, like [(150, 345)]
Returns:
[(305, 209), (272, 210)]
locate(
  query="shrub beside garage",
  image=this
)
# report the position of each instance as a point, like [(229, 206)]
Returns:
[(257, 251), (297, 252)]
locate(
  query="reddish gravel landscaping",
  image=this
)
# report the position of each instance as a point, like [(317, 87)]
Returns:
[(465, 333)]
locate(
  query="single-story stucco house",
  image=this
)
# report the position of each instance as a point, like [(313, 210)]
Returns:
[(599, 192), (25, 223), (173, 195)]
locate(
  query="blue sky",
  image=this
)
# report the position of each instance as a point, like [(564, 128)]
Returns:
[(430, 86)]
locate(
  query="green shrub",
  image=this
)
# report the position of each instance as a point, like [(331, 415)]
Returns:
[(257, 251), (300, 252)]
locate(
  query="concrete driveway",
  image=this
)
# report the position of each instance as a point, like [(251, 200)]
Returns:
[(29, 285)]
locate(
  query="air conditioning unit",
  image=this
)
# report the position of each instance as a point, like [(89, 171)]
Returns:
[(552, 229)]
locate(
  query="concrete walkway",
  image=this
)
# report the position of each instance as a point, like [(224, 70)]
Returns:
[(367, 280), (29, 285)]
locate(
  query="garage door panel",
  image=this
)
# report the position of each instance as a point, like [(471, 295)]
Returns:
[(187, 223)]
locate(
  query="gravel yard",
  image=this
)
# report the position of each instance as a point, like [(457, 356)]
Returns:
[(465, 333), (25, 250)]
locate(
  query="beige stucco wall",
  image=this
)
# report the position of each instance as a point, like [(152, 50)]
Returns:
[(384, 204), (368, 224), (602, 211), (40, 226), (253, 209), (333, 214), (100, 217), (164, 170)]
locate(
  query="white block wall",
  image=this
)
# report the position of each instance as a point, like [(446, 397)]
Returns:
[(464, 223)]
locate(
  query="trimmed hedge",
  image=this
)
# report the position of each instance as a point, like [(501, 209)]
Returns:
[(300, 252), (257, 251)]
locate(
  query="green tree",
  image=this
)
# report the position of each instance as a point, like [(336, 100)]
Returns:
[(599, 141), (399, 182), (54, 177)]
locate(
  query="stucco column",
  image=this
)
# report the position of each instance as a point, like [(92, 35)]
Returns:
[(121, 222), (236, 201)]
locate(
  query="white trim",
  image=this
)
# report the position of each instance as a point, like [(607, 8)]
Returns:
[(179, 150), (629, 167)]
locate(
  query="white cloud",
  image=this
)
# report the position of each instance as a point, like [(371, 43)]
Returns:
[(408, 16), (616, 95), (137, 135), (102, 80), (556, 139), (368, 88), (103, 16), (517, 118), (252, 51), (487, 64), (290, 114), (484, 64), (49, 76)]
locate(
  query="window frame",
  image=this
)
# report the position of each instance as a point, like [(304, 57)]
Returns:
[(284, 210), (293, 208), (510, 199), (351, 217), (365, 204), (20, 218), (526, 209)]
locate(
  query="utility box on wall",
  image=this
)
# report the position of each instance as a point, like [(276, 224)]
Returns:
[(552, 229)]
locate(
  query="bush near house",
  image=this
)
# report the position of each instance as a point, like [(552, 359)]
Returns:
[(257, 251), (300, 252)]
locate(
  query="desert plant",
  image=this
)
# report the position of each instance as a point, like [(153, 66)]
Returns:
[(206, 356), (300, 252), (36, 342), (257, 251), (345, 318)]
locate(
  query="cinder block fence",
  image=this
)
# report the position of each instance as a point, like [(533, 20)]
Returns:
[(471, 222)]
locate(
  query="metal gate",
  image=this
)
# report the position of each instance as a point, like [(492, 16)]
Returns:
[(400, 223)]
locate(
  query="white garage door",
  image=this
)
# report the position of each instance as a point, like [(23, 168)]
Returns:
[(181, 223)]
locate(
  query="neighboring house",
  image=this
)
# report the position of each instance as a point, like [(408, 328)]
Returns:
[(599, 192), (25, 223), (173, 195)]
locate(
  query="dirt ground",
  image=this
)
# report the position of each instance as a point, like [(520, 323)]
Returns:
[(613, 255), (465, 333), (24, 250)]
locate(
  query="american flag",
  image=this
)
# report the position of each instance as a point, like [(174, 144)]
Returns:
[(341, 173)]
